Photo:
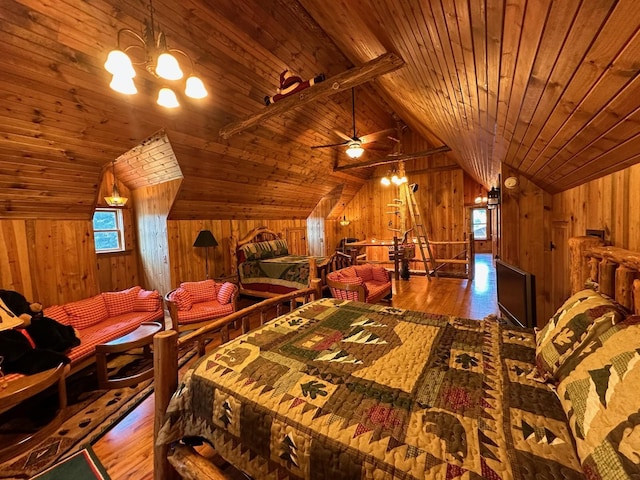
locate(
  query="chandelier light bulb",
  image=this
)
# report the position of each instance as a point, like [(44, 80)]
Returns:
[(123, 84), (168, 67), (119, 63), (195, 88), (385, 181), (167, 99)]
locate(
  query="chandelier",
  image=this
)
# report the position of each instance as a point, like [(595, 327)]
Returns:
[(392, 177), (158, 59), (115, 200)]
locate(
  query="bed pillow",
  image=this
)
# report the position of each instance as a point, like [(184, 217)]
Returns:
[(262, 250), (584, 316), (601, 400)]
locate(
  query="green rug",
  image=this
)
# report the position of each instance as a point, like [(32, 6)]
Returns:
[(82, 465), (90, 413)]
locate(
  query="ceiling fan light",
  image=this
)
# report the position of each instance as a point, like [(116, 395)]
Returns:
[(195, 88), (123, 84), (167, 99), (118, 63), (354, 150), (168, 67)]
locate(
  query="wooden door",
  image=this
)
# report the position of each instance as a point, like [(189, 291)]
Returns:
[(297, 240), (560, 284)]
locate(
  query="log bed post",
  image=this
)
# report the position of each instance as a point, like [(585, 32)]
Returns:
[(579, 264), (607, 277), (636, 297), (165, 364), (624, 286)]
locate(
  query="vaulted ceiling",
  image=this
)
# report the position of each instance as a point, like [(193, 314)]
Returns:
[(550, 88)]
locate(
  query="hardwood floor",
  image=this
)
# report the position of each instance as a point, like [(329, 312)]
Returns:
[(126, 450)]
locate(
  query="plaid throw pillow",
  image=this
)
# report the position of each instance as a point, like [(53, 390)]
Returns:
[(58, 313), (203, 291), (119, 303), (225, 292), (84, 313), (183, 299), (147, 301)]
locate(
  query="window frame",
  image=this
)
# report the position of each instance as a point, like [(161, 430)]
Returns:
[(119, 229), (487, 223)]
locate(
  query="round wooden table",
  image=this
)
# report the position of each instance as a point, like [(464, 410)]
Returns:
[(140, 337)]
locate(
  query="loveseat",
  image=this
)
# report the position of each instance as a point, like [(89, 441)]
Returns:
[(364, 283), (105, 317), (194, 304)]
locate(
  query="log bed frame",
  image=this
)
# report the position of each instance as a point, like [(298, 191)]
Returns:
[(263, 234), (616, 271)]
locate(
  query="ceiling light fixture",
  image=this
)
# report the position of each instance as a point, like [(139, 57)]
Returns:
[(392, 177), (158, 60), (115, 200), (355, 150)]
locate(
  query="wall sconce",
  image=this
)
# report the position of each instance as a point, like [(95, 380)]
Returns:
[(493, 198), (205, 239), (115, 200)]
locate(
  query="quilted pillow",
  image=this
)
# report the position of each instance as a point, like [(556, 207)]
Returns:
[(58, 313), (225, 292), (183, 299), (203, 291), (262, 250), (84, 313), (584, 316), (600, 398), (119, 303), (147, 301)]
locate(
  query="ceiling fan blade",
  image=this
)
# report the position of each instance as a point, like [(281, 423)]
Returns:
[(331, 145), (372, 137), (343, 135)]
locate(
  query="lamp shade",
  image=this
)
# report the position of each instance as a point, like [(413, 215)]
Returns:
[(205, 239)]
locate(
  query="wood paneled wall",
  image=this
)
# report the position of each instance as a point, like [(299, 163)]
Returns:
[(152, 208), (187, 263), (49, 261)]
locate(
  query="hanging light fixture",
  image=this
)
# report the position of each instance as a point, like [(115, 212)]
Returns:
[(392, 177), (115, 200), (493, 198), (344, 222), (158, 60), (355, 150)]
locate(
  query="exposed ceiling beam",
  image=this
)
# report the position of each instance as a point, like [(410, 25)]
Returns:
[(392, 158), (355, 76)]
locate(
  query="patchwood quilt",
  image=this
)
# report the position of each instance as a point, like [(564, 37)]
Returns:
[(289, 271), (345, 390)]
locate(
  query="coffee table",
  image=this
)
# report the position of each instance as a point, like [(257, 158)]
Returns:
[(140, 337)]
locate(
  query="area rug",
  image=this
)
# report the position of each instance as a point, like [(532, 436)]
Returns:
[(82, 465), (90, 413)]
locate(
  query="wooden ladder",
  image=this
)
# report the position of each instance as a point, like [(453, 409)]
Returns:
[(421, 233)]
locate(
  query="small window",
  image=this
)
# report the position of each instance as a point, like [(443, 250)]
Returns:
[(108, 231), (479, 223)]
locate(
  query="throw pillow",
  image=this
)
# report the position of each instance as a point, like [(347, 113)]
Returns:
[(88, 312), (584, 316), (147, 301), (183, 299), (225, 292), (119, 303), (600, 398), (380, 274), (364, 272), (203, 291), (58, 313)]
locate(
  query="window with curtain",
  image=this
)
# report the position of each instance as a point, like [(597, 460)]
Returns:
[(108, 230)]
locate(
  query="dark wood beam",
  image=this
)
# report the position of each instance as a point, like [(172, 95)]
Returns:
[(355, 76), (392, 158)]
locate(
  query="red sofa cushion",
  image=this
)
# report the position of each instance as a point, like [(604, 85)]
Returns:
[(204, 311), (203, 291), (58, 313), (87, 312), (147, 301), (364, 272), (120, 302), (380, 274)]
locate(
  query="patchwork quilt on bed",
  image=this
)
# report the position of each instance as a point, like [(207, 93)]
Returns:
[(345, 390), (290, 271)]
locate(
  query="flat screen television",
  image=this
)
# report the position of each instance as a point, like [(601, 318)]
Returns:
[(516, 294)]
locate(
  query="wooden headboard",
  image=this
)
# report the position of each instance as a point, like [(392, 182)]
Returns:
[(613, 271)]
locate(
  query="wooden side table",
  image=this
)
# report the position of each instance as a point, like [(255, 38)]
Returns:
[(140, 337)]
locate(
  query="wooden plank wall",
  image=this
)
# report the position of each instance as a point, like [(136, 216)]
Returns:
[(188, 263), (526, 238), (153, 204), (49, 261)]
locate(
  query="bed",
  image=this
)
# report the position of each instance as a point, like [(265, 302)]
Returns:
[(345, 390), (266, 268)]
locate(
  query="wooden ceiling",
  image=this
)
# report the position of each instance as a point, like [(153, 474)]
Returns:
[(550, 88)]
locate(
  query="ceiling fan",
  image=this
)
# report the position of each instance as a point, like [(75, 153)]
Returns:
[(354, 143)]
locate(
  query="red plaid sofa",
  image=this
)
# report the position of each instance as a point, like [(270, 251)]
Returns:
[(105, 317), (194, 304), (364, 283)]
